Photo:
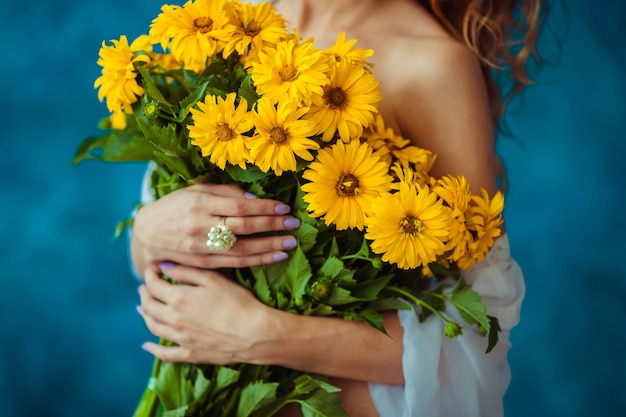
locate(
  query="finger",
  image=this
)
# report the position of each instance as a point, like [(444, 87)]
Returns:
[(248, 225), (160, 330), (160, 289), (224, 190), (188, 275), (152, 308), (218, 205), (188, 355)]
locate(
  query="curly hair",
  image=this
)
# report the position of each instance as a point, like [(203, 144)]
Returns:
[(502, 33)]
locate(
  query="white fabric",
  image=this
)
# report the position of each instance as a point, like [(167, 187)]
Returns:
[(454, 377)]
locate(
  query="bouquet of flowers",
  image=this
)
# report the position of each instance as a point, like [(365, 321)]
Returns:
[(232, 97)]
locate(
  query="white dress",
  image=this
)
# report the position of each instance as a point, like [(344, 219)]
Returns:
[(454, 377)]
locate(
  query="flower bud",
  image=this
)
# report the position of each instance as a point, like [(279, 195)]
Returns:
[(452, 329)]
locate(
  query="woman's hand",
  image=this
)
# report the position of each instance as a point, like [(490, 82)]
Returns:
[(174, 228), (213, 320)]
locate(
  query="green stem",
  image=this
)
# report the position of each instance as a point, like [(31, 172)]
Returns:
[(418, 301)]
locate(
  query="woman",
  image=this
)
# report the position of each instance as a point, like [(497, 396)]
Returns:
[(434, 61)]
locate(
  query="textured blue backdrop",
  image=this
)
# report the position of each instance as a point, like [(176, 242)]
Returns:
[(69, 335)]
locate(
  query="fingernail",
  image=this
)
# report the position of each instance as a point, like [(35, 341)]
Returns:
[(139, 310), (282, 209), (143, 346), (292, 223), (249, 195), (290, 243), (280, 257), (166, 265), (139, 289)]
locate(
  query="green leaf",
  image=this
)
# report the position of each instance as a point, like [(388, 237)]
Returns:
[(262, 288), (151, 88), (251, 174), (494, 329), (119, 146), (322, 404), (330, 268), (254, 396), (297, 275), (470, 307), (306, 235), (226, 376), (370, 316), (188, 102), (248, 91)]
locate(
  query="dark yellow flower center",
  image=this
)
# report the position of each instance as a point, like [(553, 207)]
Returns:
[(252, 28), (225, 133), (288, 73), (278, 135), (347, 186), (335, 98), (411, 227), (320, 289), (203, 24)]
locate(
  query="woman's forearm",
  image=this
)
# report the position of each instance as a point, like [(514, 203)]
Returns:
[(332, 346)]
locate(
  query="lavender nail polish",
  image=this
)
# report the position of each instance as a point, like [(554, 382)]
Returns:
[(249, 195), (290, 243), (292, 223), (282, 209), (280, 257), (166, 265)]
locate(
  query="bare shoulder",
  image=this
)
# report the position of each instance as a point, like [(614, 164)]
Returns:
[(434, 93)]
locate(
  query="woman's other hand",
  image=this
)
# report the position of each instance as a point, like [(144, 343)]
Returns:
[(174, 228), (212, 320)]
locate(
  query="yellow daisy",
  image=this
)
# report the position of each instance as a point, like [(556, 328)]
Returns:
[(256, 26), (217, 129), (117, 120), (392, 147), (408, 227), (345, 179), (409, 175), (281, 134), (345, 49), (350, 102), (484, 220), (118, 82), (291, 71), (455, 193), (194, 32)]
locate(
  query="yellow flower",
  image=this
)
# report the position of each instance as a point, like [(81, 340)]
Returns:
[(392, 147), (408, 227), (281, 134), (217, 129), (291, 71), (409, 175), (194, 32), (255, 27), (350, 102), (117, 120), (345, 179), (345, 49), (455, 193), (484, 220), (118, 82)]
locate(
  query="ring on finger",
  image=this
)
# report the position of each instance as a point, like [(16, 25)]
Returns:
[(220, 236)]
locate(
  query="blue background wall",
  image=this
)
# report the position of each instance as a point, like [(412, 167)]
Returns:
[(69, 335)]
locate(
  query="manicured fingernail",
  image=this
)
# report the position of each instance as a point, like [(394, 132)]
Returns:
[(282, 209), (280, 257), (139, 310), (166, 265), (139, 289), (143, 346), (249, 195), (292, 223), (290, 243)]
